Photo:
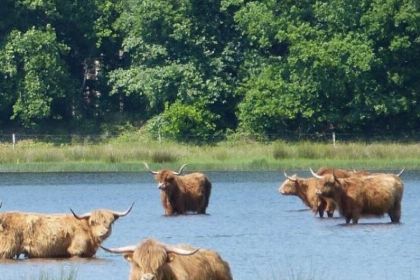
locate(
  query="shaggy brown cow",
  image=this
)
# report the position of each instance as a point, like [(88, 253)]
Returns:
[(152, 260), (305, 189), (182, 193), (375, 194), (340, 173), (54, 235)]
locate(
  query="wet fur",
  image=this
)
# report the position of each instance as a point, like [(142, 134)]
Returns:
[(375, 194), (37, 235), (151, 257), (184, 193)]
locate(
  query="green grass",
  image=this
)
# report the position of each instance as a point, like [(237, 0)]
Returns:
[(128, 152), (63, 275)]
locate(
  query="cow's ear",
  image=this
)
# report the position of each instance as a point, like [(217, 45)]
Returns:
[(128, 257)]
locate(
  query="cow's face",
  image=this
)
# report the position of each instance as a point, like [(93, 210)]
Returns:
[(289, 187), (327, 186), (166, 180), (146, 261), (100, 222)]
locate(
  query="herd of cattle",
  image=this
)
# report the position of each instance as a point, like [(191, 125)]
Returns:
[(33, 235)]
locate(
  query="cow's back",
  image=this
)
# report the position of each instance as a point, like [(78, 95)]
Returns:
[(204, 264), (382, 192), (197, 189)]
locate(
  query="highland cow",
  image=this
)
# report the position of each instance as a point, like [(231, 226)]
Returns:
[(55, 235), (152, 260), (356, 196), (182, 193), (305, 189)]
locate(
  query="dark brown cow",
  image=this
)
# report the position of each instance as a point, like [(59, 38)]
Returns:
[(355, 196), (38, 235), (182, 193), (153, 260)]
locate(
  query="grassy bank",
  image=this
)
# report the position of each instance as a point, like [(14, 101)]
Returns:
[(127, 153)]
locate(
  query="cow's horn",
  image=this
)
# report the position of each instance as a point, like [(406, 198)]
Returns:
[(180, 169), (290, 178), (315, 175), (401, 172), (148, 169), (179, 251), (120, 250), (125, 213), (84, 216)]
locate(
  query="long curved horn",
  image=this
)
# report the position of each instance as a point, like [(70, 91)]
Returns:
[(179, 251), (125, 213), (290, 178), (84, 216), (120, 250), (401, 172), (180, 169), (148, 169), (315, 175)]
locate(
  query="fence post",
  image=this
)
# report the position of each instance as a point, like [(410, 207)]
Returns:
[(14, 140), (333, 138)]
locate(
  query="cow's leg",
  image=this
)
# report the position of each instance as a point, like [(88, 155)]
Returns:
[(348, 219), (395, 213), (321, 208), (330, 208), (78, 248), (202, 205), (10, 243)]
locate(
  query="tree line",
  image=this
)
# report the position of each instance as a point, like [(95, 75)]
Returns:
[(211, 67)]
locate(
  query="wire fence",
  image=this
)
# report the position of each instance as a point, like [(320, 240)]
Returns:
[(330, 137)]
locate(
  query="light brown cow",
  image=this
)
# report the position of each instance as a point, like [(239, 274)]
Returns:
[(182, 193), (38, 235), (153, 260), (305, 189), (341, 173), (374, 194)]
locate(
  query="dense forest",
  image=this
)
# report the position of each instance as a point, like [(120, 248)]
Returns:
[(197, 69)]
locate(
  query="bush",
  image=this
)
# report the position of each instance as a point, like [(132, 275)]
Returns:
[(184, 123)]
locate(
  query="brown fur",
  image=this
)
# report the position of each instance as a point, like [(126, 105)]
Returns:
[(182, 193), (56, 236), (306, 190), (150, 258), (340, 173), (355, 196)]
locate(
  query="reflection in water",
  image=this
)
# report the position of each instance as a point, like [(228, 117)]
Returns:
[(262, 234)]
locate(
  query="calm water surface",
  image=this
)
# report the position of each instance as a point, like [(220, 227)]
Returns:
[(262, 234)]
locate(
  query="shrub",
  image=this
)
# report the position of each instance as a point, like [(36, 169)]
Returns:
[(184, 123)]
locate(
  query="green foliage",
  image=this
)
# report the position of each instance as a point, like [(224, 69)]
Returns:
[(263, 68), (31, 62), (186, 123)]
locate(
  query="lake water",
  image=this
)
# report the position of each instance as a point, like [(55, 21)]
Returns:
[(262, 234)]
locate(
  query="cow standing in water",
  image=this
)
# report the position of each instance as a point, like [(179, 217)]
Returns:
[(182, 193), (153, 260), (36, 235), (374, 194), (306, 189)]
